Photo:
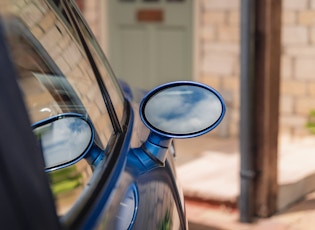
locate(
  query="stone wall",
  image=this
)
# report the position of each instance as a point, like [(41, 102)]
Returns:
[(218, 40), (219, 53), (298, 65)]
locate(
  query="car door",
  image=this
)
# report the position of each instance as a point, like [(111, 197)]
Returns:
[(56, 76)]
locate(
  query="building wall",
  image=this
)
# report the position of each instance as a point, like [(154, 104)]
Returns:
[(298, 65), (218, 53)]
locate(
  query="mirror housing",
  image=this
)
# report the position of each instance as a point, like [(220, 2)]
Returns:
[(64, 139), (182, 109)]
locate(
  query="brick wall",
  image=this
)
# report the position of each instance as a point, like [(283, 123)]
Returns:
[(219, 54), (298, 65), (219, 51), (56, 40), (92, 10)]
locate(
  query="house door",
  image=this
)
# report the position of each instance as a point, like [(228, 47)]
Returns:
[(150, 41)]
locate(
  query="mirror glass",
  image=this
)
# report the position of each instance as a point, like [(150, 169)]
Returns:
[(183, 109), (63, 140)]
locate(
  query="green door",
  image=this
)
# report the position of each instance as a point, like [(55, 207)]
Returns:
[(150, 41)]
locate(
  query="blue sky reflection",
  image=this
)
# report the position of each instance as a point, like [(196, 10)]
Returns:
[(64, 140), (183, 109)]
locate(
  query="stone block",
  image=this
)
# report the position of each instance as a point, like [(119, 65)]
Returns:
[(294, 35), (293, 88), (213, 18), (72, 55), (208, 33), (47, 21), (286, 104), (286, 70), (233, 18), (222, 48), (293, 121), (212, 80), (295, 4), (304, 68), (62, 64), (312, 4), (37, 31), (229, 33), (306, 18), (305, 50), (237, 100), (221, 4), (231, 83), (311, 88), (285, 130), (300, 132), (304, 105), (31, 14), (289, 17), (51, 38), (218, 64), (312, 35), (234, 122)]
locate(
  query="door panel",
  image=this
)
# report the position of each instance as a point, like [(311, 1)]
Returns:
[(151, 41), (170, 55), (133, 41)]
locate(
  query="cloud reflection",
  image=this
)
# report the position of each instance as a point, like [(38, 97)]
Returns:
[(183, 109), (64, 140)]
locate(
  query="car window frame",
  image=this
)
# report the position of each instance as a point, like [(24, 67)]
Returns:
[(107, 172), (69, 6), (97, 53)]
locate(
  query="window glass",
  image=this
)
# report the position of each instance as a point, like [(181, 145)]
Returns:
[(55, 74), (55, 77), (103, 66)]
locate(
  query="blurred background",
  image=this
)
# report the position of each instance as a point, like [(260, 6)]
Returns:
[(150, 42), (205, 46)]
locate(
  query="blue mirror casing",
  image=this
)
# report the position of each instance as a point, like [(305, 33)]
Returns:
[(64, 139)]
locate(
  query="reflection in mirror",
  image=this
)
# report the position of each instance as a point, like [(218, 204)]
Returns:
[(68, 183), (183, 109), (63, 140)]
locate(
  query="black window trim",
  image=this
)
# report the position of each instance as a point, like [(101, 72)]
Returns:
[(106, 97), (117, 148)]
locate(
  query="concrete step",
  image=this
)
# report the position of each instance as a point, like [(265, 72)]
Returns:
[(213, 176)]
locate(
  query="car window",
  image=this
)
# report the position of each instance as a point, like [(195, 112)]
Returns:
[(55, 77), (102, 64)]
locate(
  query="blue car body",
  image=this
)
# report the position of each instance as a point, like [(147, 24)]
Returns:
[(133, 183)]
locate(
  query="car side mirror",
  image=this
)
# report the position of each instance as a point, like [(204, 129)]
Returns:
[(64, 139), (179, 110), (182, 110)]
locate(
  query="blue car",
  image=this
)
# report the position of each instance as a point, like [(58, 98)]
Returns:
[(79, 149)]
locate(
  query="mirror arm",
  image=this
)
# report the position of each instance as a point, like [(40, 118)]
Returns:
[(157, 146), (95, 155), (152, 154), (159, 140)]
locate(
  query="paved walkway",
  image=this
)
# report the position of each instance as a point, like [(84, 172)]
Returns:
[(209, 170), (300, 216)]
